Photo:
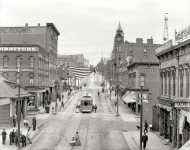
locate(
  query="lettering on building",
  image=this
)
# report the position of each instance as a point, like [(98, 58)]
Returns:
[(182, 104), (31, 49), (10, 69), (152, 70), (164, 47), (182, 35), (8, 30)]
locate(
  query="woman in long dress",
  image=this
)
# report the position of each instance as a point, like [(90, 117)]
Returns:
[(28, 141), (77, 139)]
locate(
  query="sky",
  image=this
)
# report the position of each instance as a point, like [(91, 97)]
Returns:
[(88, 26)]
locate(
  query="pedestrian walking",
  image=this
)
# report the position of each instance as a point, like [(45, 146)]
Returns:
[(144, 140), (115, 103), (77, 108), (14, 121), (13, 136), (95, 108), (62, 96), (145, 126), (52, 110), (23, 140), (98, 94), (10, 138), (4, 134), (28, 141), (77, 139), (16, 137), (150, 126), (34, 123)]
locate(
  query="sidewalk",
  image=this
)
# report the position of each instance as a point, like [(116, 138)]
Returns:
[(40, 119), (132, 120)]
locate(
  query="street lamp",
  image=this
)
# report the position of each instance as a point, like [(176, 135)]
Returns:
[(18, 102), (142, 81)]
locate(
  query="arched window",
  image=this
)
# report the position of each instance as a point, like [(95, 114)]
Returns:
[(5, 75), (5, 61), (31, 60), (18, 62)]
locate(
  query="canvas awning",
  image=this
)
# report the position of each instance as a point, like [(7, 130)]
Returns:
[(130, 97), (164, 107)]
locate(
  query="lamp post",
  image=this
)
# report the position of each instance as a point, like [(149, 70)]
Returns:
[(18, 102), (142, 80)]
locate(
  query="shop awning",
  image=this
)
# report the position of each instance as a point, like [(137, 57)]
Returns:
[(164, 107), (186, 146), (130, 98)]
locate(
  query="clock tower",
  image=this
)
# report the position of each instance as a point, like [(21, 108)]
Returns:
[(119, 36)]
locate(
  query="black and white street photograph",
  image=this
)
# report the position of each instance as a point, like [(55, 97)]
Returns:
[(94, 75)]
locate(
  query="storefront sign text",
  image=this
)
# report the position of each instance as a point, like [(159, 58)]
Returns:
[(164, 47), (152, 70), (7, 69), (19, 49), (182, 104), (15, 30), (182, 35)]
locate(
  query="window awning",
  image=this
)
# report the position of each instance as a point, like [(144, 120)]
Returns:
[(130, 97), (186, 146)]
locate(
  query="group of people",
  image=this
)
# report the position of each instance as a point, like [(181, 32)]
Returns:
[(14, 137)]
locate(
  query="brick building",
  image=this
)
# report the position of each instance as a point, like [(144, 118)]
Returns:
[(174, 100), (38, 47)]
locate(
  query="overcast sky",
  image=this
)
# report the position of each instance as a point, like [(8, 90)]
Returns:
[(89, 26)]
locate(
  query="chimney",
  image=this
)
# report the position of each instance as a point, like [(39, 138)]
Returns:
[(38, 24), (139, 41), (150, 41), (26, 24)]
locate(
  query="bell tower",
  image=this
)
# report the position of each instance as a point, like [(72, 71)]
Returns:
[(119, 36)]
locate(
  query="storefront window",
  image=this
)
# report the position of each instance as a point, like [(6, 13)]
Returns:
[(5, 61), (31, 101)]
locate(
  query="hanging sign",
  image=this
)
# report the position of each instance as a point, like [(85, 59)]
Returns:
[(164, 47), (182, 35), (182, 104)]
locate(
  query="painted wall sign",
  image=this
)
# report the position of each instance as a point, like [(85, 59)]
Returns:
[(7, 69), (164, 47), (19, 49), (16, 30), (182, 35), (182, 104)]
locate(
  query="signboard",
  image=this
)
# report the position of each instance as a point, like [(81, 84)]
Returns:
[(182, 35), (164, 47), (182, 104), (8, 30), (24, 49), (4, 101), (7, 69)]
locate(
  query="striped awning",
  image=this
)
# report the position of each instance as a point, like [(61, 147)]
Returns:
[(80, 72)]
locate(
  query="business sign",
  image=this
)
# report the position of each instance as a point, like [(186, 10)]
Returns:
[(7, 69), (182, 104), (8, 30), (164, 47), (31, 49), (182, 35)]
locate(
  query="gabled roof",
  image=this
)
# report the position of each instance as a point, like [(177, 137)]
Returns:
[(10, 92)]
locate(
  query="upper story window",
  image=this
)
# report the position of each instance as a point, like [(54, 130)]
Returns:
[(31, 60), (18, 62), (131, 49), (145, 50), (5, 61)]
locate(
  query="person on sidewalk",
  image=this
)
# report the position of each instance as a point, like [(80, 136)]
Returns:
[(77, 108), (28, 141), (144, 140), (13, 136), (4, 134), (14, 121), (115, 103), (150, 126), (10, 138), (95, 108), (145, 126), (34, 123)]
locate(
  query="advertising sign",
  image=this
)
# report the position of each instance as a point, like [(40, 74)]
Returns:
[(7, 69), (164, 47), (182, 104), (182, 35), (24, 49)]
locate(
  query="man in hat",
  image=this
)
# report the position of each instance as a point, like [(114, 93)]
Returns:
[(4, 134)]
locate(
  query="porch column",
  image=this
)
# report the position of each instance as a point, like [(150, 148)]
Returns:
[(167, 76), (164, 82), (24, 108), (177, 83), (171, 84), (184, 83)]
